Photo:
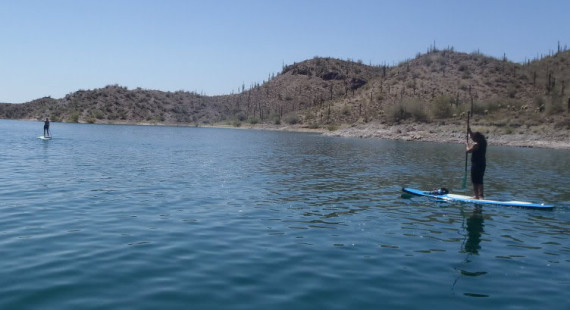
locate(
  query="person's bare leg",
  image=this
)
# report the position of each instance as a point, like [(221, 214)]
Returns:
[(478, 189), (475, 191)]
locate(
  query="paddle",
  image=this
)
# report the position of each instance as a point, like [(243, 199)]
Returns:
[(464, 185)]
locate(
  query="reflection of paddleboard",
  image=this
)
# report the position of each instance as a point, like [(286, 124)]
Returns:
[(461, 198), (44, 138)]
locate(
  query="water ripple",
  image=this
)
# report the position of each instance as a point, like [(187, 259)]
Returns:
[(166, 217)]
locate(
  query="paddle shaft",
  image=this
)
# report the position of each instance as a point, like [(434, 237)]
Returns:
[(464, 185)]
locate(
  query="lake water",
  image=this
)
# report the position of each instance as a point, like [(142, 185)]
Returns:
[(119, 217)]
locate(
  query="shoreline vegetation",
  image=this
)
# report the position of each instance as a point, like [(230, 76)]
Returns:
[(426, 98)]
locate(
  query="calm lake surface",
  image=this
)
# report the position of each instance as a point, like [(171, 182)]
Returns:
[(122, 217)]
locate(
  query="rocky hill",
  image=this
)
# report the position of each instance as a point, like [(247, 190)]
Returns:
[(321, 92)]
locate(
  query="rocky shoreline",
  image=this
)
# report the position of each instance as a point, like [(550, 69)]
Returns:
[(543, 138), (540, 137)]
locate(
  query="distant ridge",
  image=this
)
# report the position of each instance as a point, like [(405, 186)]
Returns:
[(437, 85)]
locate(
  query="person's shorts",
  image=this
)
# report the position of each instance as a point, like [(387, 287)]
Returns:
[(477, 174)]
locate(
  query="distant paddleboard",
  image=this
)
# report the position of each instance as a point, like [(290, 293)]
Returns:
[(44, 138), (462, 198)]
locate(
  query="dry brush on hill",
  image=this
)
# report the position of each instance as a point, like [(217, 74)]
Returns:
[(435, 86)]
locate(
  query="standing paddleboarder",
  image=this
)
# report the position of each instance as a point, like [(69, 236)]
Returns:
[(478, 161), (46, 128)]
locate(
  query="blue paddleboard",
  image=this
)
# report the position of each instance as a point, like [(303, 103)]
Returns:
[(468, 199), (44, 138)]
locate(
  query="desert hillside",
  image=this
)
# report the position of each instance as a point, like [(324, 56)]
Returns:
[(438, 86)]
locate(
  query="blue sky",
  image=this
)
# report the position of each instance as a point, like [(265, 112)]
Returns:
[(55, 47)]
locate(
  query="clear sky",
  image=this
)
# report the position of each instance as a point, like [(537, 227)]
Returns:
[(56, 47)]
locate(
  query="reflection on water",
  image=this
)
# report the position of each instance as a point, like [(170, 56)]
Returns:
[(471, 246), (474, 231)]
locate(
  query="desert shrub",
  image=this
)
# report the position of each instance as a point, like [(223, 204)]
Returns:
[(346, 110), (408, 108), (563, 124), (416, 110), (514, 123), (531, 123), (74, 117), (292, 119), (497, 103), (276, 120), (539, 101), (494, 104), (253, 120), (420, 115), (488, 105), (309, 117), (332, 128), (441, 107), (512, 91), (463, 85), (515, 104), (479, 108), (98, 114), (314, 125), (397, 112), (241, 117), (554, 105)]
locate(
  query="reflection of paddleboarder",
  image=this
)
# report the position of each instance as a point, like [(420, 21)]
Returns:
[(46, 128), (471, 244), (474, 230)]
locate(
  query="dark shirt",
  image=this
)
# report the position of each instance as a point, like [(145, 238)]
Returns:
[(478, 156), (46, 124)]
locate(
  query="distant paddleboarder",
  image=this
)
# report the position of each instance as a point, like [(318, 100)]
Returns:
[(478, 161), (46, 128)]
